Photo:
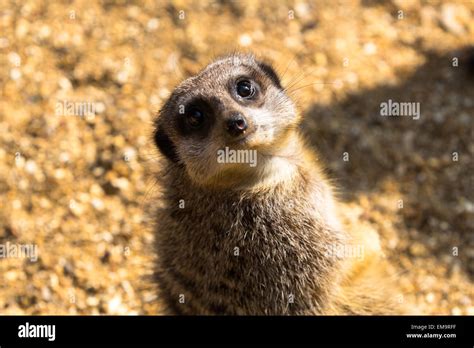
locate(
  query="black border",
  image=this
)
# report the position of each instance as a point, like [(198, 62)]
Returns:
[(141, 330)]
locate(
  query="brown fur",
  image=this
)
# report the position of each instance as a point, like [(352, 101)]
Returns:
[(252, 241)]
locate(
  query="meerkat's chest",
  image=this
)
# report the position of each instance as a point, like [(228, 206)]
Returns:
[(247, 253)]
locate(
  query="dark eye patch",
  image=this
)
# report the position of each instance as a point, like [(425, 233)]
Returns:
[(195, 117), (187, 120)]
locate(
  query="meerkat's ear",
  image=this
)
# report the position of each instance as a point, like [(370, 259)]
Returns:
[(270, 72), (164, 144)]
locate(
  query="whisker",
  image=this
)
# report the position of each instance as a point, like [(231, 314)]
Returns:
[(309, 85)]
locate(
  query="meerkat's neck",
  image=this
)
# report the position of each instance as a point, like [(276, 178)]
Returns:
[(281, 162)]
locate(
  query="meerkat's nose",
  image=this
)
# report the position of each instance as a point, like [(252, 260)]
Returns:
[(236, 124)]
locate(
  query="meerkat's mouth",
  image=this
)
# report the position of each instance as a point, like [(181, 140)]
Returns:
[(243, 141), (255, 137)]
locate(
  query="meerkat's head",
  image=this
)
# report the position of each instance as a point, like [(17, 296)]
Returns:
[(225, 124)]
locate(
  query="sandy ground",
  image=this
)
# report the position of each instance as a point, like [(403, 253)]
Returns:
[(75, 186)]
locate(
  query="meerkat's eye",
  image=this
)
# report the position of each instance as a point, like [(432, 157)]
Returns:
[(195, 117), (245, 89)]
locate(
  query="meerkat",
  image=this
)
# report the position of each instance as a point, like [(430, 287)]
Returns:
[(236, 236)]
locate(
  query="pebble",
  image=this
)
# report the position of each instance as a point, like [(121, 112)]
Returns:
[(46, 294), (370, 48), (98, 204), (92, 301), (302, 10), (430, 297), (245, 40), (76, 208), (153, 24), (15, 74), (31, 167), (456, 311), (115, 306), (453, 16), (121, 183), (14, 59)]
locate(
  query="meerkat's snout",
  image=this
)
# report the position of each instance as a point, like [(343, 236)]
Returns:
[(236, 124)]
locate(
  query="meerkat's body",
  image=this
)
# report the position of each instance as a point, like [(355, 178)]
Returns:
[(242, 240)]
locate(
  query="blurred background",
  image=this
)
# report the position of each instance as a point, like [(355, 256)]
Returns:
[(81, 82)]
